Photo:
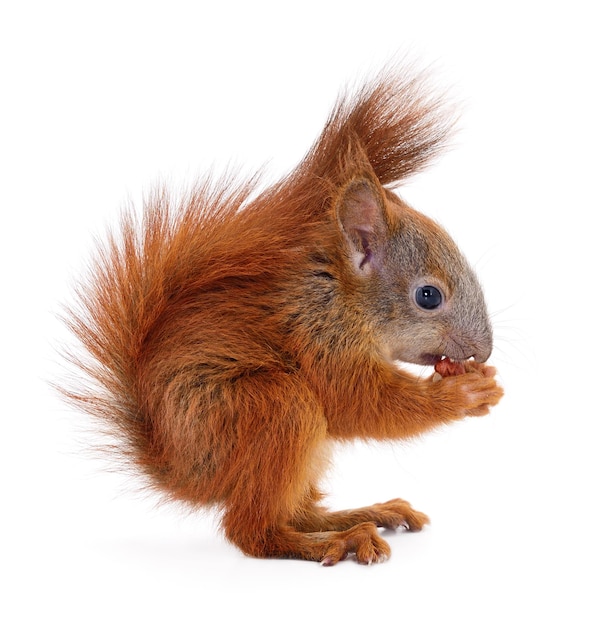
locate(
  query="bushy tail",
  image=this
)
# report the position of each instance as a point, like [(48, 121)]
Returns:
[(151, 263), (395, 121)]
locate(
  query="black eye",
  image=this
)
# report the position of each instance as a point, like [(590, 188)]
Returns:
[(428, 297)]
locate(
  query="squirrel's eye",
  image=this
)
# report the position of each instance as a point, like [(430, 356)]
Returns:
[(428, 297)]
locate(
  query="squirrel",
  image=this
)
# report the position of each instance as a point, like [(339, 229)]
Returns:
[(231, 336)]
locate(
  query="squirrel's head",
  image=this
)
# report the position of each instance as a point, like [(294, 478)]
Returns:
[(425, 300)]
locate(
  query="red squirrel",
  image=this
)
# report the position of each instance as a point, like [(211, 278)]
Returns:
[(231, 336)]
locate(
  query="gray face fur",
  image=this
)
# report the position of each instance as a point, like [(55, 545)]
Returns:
[(419, 253), (395, 250)]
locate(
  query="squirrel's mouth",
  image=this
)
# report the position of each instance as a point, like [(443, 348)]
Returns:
[(437, 360), (432, 359)]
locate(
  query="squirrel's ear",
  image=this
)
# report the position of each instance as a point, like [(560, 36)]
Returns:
[(362, 218)]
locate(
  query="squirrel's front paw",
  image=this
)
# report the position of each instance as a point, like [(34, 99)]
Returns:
[(481, 393), (475, 391)]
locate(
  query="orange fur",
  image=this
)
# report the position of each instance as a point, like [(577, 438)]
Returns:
[(233, 335)]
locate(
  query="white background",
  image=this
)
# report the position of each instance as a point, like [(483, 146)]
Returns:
[(101, 100)]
